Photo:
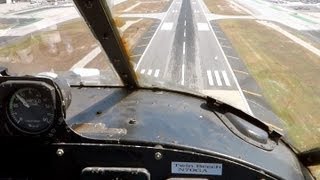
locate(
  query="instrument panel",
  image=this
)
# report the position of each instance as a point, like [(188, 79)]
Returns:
[(31, 109), (32, 106), (33, 130)]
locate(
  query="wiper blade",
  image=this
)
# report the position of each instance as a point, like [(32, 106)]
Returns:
[(310, 157), (274, 132)]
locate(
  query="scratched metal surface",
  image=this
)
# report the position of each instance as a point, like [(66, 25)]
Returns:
[(168, 118)]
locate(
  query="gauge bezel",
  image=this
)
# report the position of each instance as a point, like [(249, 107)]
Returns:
[(44, 89)]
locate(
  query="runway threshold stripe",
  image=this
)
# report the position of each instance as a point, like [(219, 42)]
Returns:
[(209, 74), (226, 79), (217, 75)]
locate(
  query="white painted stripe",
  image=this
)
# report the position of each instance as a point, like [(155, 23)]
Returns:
[(229, 66), (232, 57), (226, 79), (167, 26), (156, 74), (88, 58), (222, 38), (144, 53), (216, 57), (149, 72), (147, 37), (209, 74), (185, 22), (132, 7), (184, 48), (226, 47), (182, 76), (142, 71), (203, 27), (216, 74), (184, 33)]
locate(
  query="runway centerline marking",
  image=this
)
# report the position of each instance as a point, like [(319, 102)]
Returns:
[(149, 72), (167, 26), (185, 22), (142, 71), (226, 79), (209, 74), (203, 27), (216, 74), (184, 48), (184, 33), (182, 77)]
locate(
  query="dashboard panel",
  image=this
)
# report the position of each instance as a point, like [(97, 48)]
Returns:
[(122, 134)]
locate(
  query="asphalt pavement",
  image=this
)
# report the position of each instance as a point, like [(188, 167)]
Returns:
[(185, 50)]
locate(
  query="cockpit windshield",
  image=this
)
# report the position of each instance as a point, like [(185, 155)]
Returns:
[(261, 56)]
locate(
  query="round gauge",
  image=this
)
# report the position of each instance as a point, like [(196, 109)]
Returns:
[(31, 110)]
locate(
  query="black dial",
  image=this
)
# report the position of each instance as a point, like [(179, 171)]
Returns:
[(31, 110)]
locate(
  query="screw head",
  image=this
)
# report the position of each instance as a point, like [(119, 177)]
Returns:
[(60, 152), (158, 156), (132, 121)]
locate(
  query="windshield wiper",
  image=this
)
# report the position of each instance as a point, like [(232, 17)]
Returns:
[(310, 157), (238, 115)]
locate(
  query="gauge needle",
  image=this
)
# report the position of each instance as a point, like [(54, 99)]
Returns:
[(24, 102)]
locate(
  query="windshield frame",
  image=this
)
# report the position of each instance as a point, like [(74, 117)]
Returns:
[(99, 19)]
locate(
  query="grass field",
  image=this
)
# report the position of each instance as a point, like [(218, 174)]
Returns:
[(287, 73), (224, 7), (302, 36)]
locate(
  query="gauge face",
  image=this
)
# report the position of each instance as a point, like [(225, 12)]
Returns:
[(31, 110)]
